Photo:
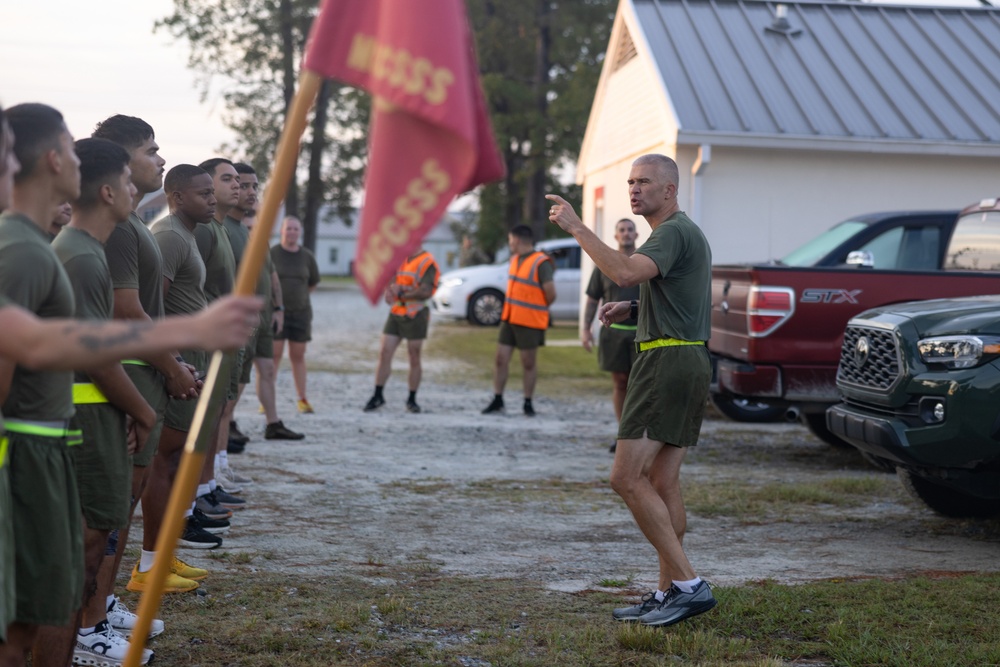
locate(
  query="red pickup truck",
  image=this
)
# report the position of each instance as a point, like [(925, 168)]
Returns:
[(777, 328)]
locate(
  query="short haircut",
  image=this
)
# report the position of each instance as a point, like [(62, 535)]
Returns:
[(101, 161), (523, 232), (180, 176), (127, 131), (37, 128), (666, 165), (244, 168), (210, 165)]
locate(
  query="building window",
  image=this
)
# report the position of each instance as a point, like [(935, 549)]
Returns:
[(333, 255)]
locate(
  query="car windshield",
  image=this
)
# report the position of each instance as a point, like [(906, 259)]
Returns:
[(820, 246)]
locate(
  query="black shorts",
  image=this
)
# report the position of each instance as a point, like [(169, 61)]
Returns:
[(298, 326)]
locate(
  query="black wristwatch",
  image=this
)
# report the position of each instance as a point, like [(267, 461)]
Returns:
[(277, 308), (633, 310)]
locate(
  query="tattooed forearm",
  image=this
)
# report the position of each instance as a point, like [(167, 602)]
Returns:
[(95, 336)]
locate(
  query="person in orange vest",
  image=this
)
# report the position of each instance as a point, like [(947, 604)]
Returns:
[(525, 317), (415, 283)]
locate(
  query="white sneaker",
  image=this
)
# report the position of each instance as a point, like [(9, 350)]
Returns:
[(104, 648), (231, 480), (123, 620)]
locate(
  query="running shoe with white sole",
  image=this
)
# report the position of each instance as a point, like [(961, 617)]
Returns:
[(122, 620), (104, 648), (679, 605)]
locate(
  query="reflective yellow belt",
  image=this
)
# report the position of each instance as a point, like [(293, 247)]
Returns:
[(87, 393), (44, 430), (666, 342), (623, 327), (134, 362), (3, 451)]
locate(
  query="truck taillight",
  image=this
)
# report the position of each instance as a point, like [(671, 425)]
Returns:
[(768, 308)]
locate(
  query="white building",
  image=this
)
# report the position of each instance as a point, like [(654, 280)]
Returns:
[(786, 118)]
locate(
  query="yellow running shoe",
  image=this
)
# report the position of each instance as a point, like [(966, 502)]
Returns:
[(304, 407), (260, 409), (182, 569), (173, 584)]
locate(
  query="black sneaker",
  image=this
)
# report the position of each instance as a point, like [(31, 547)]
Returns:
[(228, 500), (196, 537), (374, 403), (529, 409), (236, 435), (214, 526), (277, 431), (495, 406), (679, 605), (411, 406), (234, 447), (647, 604)]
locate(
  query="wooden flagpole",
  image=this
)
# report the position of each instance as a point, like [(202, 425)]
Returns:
[(213, 392)]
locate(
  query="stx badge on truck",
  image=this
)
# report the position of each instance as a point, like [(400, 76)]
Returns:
[(830, 295)]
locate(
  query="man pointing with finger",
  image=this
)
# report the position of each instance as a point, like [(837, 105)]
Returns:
[(668, 385)]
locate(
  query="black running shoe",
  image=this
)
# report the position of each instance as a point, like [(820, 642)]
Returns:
[(374, 403), (236, 435), (495, 406), (228, 500), (679, 605), (278, 431), (529, 409), (196, 537), (234, 447), (214, 526), (411, 406)]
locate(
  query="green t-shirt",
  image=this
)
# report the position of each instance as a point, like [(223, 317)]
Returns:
[(238, 236), (32, 277), (602, 288), (135, 262), (182, 265), (220, 264), (678, 302), (297, 272), (83, 259)]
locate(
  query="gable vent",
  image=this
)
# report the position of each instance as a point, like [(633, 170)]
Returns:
[(625, 51)]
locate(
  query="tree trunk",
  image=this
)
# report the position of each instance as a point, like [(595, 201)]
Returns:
[(314, 189), (534, 201), (288, 84)]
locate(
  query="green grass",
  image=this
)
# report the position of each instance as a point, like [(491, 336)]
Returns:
[(423, 618)]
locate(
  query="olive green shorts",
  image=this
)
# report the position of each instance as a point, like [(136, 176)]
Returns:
[(180, 413), (523, 338), (264, 345), (667, 393), (48, 535), (8, 592), (616, 349), (150, 384), (298, 326), (247, 361), (103, 466), (235, 373), (410, 328)]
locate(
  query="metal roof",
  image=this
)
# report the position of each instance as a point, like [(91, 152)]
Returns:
[(837, 71)]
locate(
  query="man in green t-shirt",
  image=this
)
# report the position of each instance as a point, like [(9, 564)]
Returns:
[(616, 344), (668, 385)]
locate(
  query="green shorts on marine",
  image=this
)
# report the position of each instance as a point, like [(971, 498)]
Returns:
[(48, 535), (264, 345), (666, 397), (410, 328), (523, 338), (248, 354), (103, 466), (297, 327), (151, 385), (8, 591), (180, 413), (616, 351)]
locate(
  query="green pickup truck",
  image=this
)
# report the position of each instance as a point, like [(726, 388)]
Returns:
[(920, 383)]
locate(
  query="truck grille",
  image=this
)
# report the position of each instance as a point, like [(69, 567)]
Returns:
[(868, 358)]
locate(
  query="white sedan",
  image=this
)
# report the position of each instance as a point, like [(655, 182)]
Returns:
[(476, 292)]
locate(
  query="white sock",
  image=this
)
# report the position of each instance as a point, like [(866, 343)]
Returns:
[(86, 631), (659, 595), (212, 484), (203, 489), (222, 460), (146, 560), (687, 586)]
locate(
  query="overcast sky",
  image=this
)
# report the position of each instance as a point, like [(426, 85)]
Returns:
[(91, 60)]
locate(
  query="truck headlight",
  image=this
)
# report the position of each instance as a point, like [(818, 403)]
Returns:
[(452, 282), (958, 351)]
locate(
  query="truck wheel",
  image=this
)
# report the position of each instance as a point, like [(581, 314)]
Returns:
[(485, 307), (816, 423), (947, 501), (747, 410)]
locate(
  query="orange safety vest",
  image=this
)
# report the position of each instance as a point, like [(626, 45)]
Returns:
[(410, 274), (525, 303)]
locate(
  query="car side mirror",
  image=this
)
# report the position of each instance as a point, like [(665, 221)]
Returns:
[(861, 259)]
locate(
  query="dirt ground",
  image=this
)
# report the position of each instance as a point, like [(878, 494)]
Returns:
[(510, 496)]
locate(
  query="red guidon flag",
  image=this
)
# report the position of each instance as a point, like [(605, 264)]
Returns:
[(430, 137)]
